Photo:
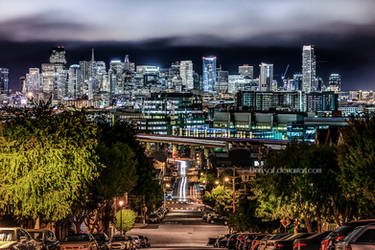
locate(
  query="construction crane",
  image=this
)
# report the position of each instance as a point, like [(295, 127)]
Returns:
[(285, 72)]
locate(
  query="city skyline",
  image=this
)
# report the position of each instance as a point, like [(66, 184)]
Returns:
[(237, 33), (228, 58)]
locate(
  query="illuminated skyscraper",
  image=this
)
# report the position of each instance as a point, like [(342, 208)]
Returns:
[(246, 71), (75, 83), (222, 81), (334, 82), (308, 69), (266, 77), (209, 74), (186, 74), (57, 55), (32, 81), (4, 80)]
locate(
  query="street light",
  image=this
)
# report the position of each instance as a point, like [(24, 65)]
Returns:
[(217, 182), (226, 179), (165, 187), (121, 203)]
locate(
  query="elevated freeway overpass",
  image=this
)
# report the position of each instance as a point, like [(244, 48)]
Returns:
[(221, 142)]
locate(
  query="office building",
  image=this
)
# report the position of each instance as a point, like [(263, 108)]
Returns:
[(58, 55), (186, 74), (32, 83), (321, 101), (308, 69), (209, 74), (266, 77), (246, 71), (334, 82), (4, 80), (222, 81)]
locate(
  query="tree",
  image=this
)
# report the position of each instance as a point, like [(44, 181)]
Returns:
[(146, 183), (47, 163), (357, 167), (118, 177), (125, 219), (300, 183)]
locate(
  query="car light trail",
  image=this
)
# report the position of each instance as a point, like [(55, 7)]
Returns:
[(183, 181)]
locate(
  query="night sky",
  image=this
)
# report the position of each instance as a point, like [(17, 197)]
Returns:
[(162, 31)]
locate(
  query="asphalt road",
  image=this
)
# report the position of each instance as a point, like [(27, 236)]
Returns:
[(182, 228)]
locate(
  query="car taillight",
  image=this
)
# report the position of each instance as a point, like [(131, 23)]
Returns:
[(279, 245), (297, 245), (338, 238), (324, 244)]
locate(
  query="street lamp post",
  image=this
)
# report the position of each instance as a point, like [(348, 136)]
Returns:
[(165, 193), (227, 179), (121, 203)]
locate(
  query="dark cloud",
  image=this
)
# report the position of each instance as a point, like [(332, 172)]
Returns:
[(41, 26)]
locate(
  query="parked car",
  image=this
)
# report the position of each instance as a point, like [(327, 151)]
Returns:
[(144, 241), (133, 242), (103, 241), (286, 243), (153, 219), (247, 241), (264, 243), (361, 238), (211, 241), (121, 242), (137, 240), (16, 238), (240, 241), (341, 232), (81, 241), (231, 242), (310, 243), (45, 239), (255, 242), (221, 241)]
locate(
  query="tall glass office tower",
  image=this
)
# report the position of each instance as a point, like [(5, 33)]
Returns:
[(209, 74), (308, 69), (4, 80), (266, 77)]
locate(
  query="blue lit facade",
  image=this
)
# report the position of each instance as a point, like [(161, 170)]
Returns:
[(209, 74), (4, 80)]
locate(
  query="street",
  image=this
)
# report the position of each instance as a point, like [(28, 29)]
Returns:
[(182, 228)]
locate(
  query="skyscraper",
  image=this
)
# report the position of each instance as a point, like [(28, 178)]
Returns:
[(186, 74), (308, 69), (246, 71), (209, 74), (57, 55), (32, 81), (4, 80), (266, 77), (222, 81), (334, 82), (75, 83)]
